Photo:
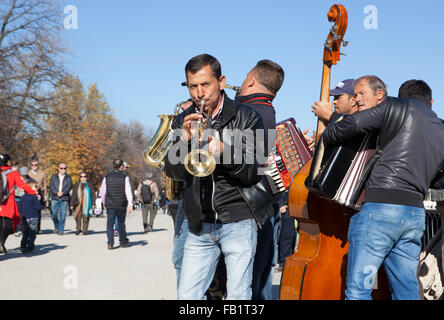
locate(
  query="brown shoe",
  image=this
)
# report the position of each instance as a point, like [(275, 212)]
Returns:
[(123, 245), (110, 247)]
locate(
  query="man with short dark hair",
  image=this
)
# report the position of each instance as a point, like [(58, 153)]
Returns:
[(258, 90), (224, 208), (416, 89), (117, 199)]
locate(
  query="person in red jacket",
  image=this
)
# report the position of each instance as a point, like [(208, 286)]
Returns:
[(9, 215)]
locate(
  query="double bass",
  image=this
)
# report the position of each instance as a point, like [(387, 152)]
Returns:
[(317, 269)]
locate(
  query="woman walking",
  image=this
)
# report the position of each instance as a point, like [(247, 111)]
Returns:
[(82, 200), (9, 215)]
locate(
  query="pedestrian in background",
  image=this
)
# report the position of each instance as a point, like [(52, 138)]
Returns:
[(29, 206), (60, 186), (82, 201), (9, 215), (148, 193), (39, 176), (117, 198)]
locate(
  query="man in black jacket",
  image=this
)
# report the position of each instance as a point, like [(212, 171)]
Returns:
[(59, 186), (390, 224), (258, 91), (225, 208)]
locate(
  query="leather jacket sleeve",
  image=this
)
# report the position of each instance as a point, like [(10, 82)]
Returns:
[(351, 125), (247, 170)]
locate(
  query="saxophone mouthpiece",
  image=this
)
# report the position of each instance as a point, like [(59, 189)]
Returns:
[(202, 105)]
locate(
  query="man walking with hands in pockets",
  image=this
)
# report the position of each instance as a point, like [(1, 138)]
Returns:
[(117, 198)]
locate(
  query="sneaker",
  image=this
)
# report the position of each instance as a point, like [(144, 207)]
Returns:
[(18, 233), (78, 232), (110, 247), (84, 233), (60, 233)]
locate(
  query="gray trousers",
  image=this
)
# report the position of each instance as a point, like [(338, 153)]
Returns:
[(151, 210)]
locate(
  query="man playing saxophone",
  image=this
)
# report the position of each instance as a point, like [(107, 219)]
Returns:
[(225, 208)]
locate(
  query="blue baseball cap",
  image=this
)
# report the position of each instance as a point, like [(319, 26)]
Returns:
[(343, 87)]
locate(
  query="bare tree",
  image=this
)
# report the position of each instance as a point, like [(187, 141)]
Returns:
[(129, 142), (31, 63)]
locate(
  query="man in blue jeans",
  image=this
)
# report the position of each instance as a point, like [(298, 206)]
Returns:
[(223, 209), (388, 229), (60, 185), (117, 198)]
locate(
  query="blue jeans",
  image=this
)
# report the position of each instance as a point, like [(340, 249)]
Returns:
[(180, 236), (112, 214), (29, 233), (178, 248), (262, 284), (385, 234), (237, 241), (56, 205)]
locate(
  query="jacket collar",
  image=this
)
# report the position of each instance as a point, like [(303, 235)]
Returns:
[(256, 98), (228, 112)]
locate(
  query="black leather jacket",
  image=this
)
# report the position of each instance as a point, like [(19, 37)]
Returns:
[(409, 163), (234, 191)]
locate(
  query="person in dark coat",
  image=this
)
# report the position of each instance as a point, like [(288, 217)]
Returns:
[(60, 185), (29, 207)]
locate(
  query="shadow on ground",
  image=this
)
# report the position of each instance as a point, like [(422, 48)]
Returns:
[(38, 250)]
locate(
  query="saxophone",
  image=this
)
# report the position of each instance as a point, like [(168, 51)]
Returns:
[(156, 151), (154, 155)]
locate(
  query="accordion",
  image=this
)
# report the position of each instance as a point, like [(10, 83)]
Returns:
[(289, 155), (340, 172), (337, 172)]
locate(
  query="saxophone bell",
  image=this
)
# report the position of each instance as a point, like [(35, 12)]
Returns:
[(156, 151)]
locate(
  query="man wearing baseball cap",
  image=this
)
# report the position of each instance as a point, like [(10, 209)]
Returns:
[(344, 102)]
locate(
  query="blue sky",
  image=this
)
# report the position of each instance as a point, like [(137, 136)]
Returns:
[(136, 50)]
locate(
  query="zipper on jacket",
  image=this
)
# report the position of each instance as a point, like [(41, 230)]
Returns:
[(251, 209), (212, 196)]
